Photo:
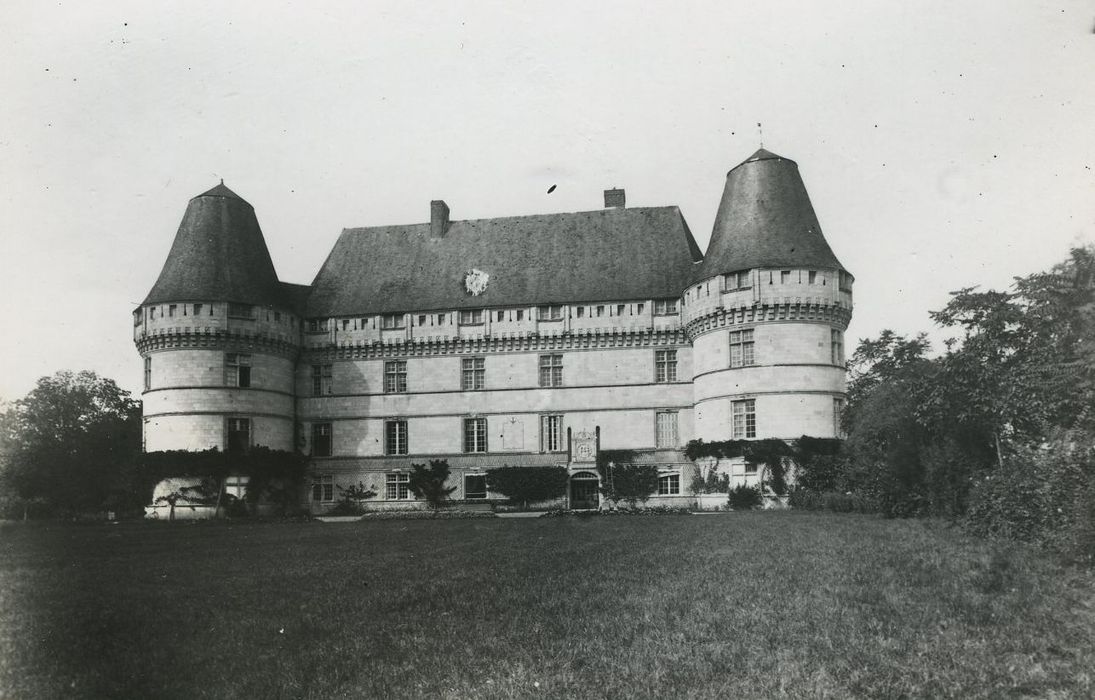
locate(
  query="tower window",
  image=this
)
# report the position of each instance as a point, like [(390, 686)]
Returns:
[(197, 309), (239, 434), (471, 317), (665, 307), (812, 276), (550, 313), (237, 370), (240, 310), (785, 277), (147, 373), (321, 379), (391, 321), (741, 348), (836, 341), (744, 419)]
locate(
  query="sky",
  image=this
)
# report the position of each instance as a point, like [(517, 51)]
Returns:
[(943, 144)]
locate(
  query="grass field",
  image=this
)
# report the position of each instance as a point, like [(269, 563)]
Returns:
[(728, 605)]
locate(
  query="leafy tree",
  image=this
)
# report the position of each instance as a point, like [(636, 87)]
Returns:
[(429, 482), (526, 485), (67, 442), (629, 482)]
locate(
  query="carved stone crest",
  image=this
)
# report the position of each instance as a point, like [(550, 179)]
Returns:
[(475, 281), (583, 447)]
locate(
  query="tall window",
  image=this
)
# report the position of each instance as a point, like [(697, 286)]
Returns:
[(391, 321), (471, 317), (665, 307), (240, 310), (551, 370), (395, 377), (666, 433), (744, 415), (475, 434), (836, 339), (665, 365), (239, 434), (741, 348), (398, 486), (237, 369), (321, 439), (473, 374), (550, 313), (669, 484), (321, 379), (323, 489), (395, 437), (147, 373), (475, 486), (838, 411), (551, 433)]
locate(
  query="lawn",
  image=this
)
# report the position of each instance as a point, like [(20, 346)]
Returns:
[(727, 605)]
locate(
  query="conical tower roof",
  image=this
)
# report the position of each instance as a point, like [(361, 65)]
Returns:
[(218, 254), (765, 219)]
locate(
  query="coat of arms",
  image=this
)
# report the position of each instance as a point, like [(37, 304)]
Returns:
[(475, 282)]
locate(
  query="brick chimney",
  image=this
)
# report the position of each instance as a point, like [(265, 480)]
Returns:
[(614, 198), (439, 218)]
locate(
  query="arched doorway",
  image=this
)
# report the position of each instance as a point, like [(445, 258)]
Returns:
[(584, 494)]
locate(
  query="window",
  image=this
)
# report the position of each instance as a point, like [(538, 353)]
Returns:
[(395, 377), (741, 348), (845, 281), (551, 433), (475, 486), (665, 365), (665, 307), (550, 313), (666, 433), (277, 317), (323, 489), (239, 434), (147, 373), (317, 325), (580, 312), (475, 434), (639, 308), (391, 321), (600, 310), (236, 486), (398, 487), (440, 319), (473, 374), (321, 379), (669, 484), (421, 320), (744, 419), (197, 309), (750, 467), (237, 370), (345, 324), (152, 313), (785, 277), (838, 410), (395, 437), (836, 340), (501, 316), (471, 317), (240, 310), (812, 275), (551, 370), (321, 439), (171, 310), (620, 309), (137, 317), (520, 314)]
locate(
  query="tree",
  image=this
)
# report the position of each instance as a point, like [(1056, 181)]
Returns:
[(524, 485), (67, 442), (629, 482), (429, 482)]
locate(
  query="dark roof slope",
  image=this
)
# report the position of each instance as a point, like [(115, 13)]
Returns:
[(218, 254), (765, 219), (610, 254)]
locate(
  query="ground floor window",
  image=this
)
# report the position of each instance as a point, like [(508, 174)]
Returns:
[(323, 489), (239, 434), (669, 485), (551, 433), (236, 486), (475, 486), (398, 488)]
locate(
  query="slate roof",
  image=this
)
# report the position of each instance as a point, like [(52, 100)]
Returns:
[(765, 219), (604, 255), (219, 253)]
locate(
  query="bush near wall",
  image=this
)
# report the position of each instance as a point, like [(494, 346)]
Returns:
[(524, 485)]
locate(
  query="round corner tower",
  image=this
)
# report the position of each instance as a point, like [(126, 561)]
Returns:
[(767, 311), (218, 336)]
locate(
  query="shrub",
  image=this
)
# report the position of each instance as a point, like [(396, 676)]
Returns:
[(524, 485), (744, 497), (629, 483), (835, 501), (429, 482)]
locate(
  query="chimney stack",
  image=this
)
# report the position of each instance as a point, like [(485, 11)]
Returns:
[(439, 218), (614, 198)]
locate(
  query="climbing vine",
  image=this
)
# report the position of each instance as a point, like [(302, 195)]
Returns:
[(773, 453)]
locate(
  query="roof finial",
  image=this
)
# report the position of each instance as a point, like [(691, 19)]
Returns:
[(222, 180), (760, 130)]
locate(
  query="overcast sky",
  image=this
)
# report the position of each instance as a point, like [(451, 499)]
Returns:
[(944, 144)]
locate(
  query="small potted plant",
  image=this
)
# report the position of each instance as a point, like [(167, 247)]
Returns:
[(710, 486)]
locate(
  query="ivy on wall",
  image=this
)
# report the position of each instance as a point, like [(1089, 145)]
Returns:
[(773, 453)]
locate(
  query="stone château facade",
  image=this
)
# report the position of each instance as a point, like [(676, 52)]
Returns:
[(529, 340)]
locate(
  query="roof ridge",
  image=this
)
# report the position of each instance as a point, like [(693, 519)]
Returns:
[(610, 211)]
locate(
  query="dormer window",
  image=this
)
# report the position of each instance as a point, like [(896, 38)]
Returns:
[(471, 317), (391, 321), (550, 313), (665, 307), (738, 280)]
